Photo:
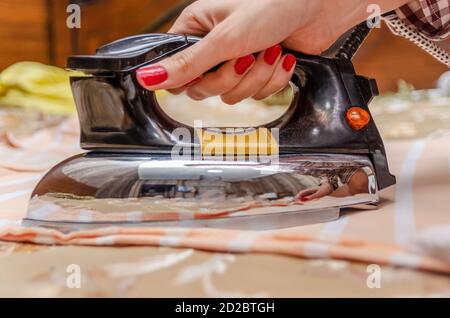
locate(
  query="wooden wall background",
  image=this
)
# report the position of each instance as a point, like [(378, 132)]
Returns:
[(36, 30)]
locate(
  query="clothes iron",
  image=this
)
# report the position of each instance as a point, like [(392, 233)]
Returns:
[(325, 145)]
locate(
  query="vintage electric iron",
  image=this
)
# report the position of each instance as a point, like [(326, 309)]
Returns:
[(326, 144)]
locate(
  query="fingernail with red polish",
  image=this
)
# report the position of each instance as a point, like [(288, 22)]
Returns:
[(289, 62), (151, 75), (194, 81), (243, 63), (272, 53)]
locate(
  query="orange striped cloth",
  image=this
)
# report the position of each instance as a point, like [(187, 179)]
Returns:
[(389, 235)]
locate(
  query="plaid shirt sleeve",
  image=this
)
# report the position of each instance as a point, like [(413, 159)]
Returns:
[(429, 17)]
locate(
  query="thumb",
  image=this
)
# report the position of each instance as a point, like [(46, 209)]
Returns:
[(183, 67)]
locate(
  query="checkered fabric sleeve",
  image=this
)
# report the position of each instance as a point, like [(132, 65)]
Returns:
[(429, 17)]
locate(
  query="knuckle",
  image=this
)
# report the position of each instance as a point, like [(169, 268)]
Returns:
[(189, 12), (259, 82), (183, 60), (229, 100), (175, 91), (194, 95), (279, 83), (225, 81), (230, 39)]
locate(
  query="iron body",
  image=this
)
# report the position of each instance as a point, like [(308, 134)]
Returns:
[(129, 176)]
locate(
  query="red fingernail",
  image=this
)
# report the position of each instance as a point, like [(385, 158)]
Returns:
[(194, 81), (272, 53), (243, 63), (151, 75), (289, 62)]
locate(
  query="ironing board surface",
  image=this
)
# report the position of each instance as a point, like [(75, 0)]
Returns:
[(387, 236)]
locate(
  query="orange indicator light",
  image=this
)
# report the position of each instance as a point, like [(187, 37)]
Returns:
[(357, 118)]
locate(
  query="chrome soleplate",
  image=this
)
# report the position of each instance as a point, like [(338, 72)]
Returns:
[(96, 190)]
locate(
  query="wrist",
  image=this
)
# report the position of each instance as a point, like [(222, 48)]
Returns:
[(384, 6), (358, 11), (328, 188)]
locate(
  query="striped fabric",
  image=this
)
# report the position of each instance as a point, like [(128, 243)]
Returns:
[(388, 235)]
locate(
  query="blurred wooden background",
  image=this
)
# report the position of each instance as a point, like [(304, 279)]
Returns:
[(36, 30)]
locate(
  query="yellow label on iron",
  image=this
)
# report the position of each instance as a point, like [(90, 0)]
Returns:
[(238, 141)]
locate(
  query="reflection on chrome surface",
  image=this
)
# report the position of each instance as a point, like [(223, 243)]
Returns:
[(133, 189)]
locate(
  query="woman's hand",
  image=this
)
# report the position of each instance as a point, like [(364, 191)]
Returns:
[(315, 193), (245, 35)]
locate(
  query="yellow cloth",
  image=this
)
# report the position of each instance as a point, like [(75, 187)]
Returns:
[(37, 86)]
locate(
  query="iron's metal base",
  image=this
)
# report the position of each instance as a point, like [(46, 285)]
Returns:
[(97, 190), (257, 223)]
